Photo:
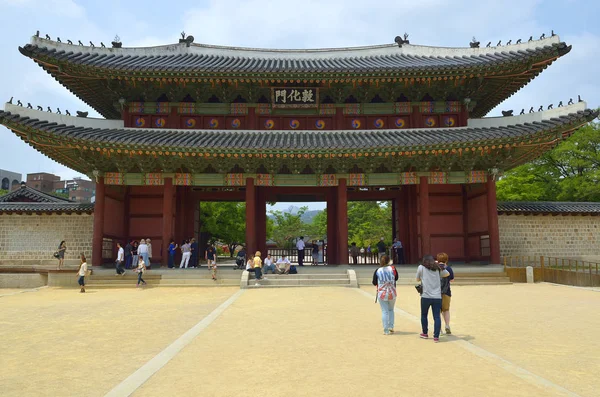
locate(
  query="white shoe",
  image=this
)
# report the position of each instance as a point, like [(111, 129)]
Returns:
[(256, 284)]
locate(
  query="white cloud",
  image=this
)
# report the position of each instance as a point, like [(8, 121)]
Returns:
[(64, 8)]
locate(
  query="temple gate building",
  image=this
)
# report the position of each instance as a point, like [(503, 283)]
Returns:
[(187, 123)]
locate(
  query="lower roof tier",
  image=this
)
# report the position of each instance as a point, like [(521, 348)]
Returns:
[(86, 145)]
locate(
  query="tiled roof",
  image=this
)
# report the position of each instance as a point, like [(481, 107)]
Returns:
[(547, 207), (298, 140), (29, 194), (217, 59), (78, 208)]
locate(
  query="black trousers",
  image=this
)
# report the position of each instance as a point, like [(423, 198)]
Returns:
[(301, 257), (119, 267)]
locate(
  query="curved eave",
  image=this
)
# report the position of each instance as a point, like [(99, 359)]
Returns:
[(46, 208), (80, 68), (73, 145)]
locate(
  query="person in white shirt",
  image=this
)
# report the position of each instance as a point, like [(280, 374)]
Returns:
[(186, 250), (143, 251), (283, 265), (429, 274), (250, 265), (81, 273), (268, 264), (300, 246), (119, 261)]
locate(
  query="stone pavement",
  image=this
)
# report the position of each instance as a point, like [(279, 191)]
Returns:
[(518, 340)]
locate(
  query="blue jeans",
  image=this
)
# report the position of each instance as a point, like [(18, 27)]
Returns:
[(81, 281), (436, 308), (140, 279), (387, 314), (269, 267), (119, 267), (146, 259), (128, 259), (171, 260), (257, 273)]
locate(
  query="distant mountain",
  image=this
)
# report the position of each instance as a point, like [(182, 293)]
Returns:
[(307, 217)]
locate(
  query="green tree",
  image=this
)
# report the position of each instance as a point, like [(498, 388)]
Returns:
[(225, 221), (3, 192), (570, 172), (318, 227), (287, 227), (368, 221)]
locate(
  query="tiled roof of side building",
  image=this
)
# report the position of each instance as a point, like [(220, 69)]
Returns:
[(206, 58), (494, 129), (38, 208), (31, 195), (548, 207)]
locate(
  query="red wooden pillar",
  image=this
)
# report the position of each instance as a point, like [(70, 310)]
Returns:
[(424, 215), (402, 223), (413, 232), (251, 246), (394, 218), (331, 226), (167, 219), (342, 222), (338, 123), (261, 221), (125, 116), (493, 221), (98, 222), (465, 204), (251, 119)]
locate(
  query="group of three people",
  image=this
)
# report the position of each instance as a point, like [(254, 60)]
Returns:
[(256, 265), (434, 276)]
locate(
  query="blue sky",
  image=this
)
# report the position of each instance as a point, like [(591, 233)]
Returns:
[(291, 24)]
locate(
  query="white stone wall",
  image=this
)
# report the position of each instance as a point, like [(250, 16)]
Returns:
[(36, 237), (570, 236)]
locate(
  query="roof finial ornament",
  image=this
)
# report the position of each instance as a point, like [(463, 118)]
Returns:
[(67, 113), (499, 43), (102, 45), (58, 111), (49, 110), (560, 104), (551, 106), (10, 101), (543, 36), (507, 113), (400, 41), (82, 114), (530, 38), (92, 44), (29, 105), (553, 34), (531, 110), (41, 109), (48, 37), (518, 41), (37, 33), (541, 109), (69, 42), (474, 43), (570, 101), (509, 42), (522, 111), (116, 43), (579, 98), (489, 44), (19, 103), (186, 39), (80, 43), (58, 40)]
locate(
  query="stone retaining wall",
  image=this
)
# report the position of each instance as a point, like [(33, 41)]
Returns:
[(30, 239), (568, 236)]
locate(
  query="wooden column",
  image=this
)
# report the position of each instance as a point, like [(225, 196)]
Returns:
[(394, 219), (251, 246), (465, 205), (403, 225), (167, 219), (339, 119), (252, 119), (98, 222), (413, 227), (493, 221), (331, 226), (342, 222), (424, 215), (126, 219), (261, 221)]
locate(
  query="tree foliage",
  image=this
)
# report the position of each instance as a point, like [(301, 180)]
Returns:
[(368, 221), (570, 172), (287, 227), (3, 192), (225, 221)]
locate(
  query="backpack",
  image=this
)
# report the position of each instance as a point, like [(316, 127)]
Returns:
[(293, 270)]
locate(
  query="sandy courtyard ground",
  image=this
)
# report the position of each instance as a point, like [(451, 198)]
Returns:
[(515, 340)]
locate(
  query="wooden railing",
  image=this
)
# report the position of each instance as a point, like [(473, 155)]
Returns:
[(292, 254), (555, 270)]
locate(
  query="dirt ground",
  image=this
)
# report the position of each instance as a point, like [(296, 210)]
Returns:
[(517, 340)]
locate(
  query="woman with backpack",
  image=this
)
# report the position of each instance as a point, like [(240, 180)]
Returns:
[(429, 274), (384, 279)]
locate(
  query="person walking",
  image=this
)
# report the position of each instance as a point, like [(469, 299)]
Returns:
[(82, 272), (354, 251), (141, 269), (128, 256), (442, 259), (300, 247), (149, 244), (60, 254), (384, 278), (257, 268), (211, 261), (172, 248), (120, 260), (429, 274), (381, 248), (186, 254), (399, 249), (194, 254)]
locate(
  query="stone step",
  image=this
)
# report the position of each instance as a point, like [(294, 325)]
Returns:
[(197, 281), (252, 286), (301, 282), (339, 276)]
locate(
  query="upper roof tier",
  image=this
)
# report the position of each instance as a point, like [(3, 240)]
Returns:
[(488, 75)]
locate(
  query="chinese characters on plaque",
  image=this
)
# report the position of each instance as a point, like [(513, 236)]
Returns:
[(295, 97)]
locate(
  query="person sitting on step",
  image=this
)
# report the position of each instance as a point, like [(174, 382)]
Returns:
[(283, 265)]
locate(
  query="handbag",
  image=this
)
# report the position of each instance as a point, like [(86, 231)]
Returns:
[(56, 255), (419, 288)]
